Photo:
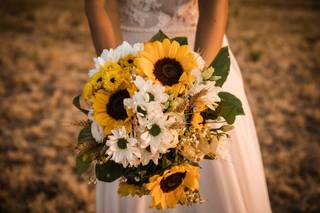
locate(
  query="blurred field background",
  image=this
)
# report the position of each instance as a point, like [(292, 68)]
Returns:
[(46, 50)]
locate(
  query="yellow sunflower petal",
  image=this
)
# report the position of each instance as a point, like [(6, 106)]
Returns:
[(166, 46), (182, 196), (146, 66), (87, 90), (157, 195), (171, 200), (163, 202), (191, 182), (100, 117), (148, 56), (100, 101), (182, 52), (173, 49), (158, 46), (153, 182), (148, 47), (107, 130), (176, 89)]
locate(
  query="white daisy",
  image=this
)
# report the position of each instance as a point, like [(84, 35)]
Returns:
[(123, 148), (197, 75), (199, 60), (126, 49), (156, 135), (211, 98), (147, 111), (220, 147), (90, 114), (96, 129), (97, 132), (148, 100), (216, 123), (147, 156), (114, 55), (151, 91)]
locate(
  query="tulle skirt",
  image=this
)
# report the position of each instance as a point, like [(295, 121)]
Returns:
[(236, 185)]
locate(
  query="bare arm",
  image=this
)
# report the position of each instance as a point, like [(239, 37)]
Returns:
[(213, 15), (103, 18)]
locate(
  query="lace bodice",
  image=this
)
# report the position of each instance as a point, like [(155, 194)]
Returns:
[(152, 15)]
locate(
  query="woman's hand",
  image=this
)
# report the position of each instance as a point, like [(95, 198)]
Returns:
[(213, 15), (103, 18)]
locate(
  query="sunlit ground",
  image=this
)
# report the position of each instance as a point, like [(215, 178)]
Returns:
[(45, 53)]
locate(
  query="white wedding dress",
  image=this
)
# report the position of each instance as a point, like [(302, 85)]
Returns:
[(236, 185)]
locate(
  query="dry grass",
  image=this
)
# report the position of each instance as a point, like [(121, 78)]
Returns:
[(46, 50)]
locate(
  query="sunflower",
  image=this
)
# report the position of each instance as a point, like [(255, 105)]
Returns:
[(127, 62), (169, 189), (168, 63), (109, 110), (109, 77), (94, 84)]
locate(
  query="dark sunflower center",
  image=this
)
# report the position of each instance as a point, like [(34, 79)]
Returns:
[(172, 182), (115, 107), (168, 71), (122, 143)]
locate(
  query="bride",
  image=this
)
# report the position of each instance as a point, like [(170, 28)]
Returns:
[(234, 185)]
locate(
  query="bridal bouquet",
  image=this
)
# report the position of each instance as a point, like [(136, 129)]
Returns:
[(154, 112)]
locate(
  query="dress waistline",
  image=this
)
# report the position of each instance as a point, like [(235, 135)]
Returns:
[(156, 29)]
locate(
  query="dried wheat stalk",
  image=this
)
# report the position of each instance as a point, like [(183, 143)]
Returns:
[(80, 123), (197, 96)]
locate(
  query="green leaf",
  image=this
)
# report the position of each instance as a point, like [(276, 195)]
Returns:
[(229, 107), (82, 164), (84, 159), (181, 40), (109, 171), (165, 162), (84, 134), (209, 114), (76, 103), (221, 65), (159, 36)]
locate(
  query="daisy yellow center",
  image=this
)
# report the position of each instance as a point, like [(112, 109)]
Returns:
[(172, 182), (122, 143), (168, 71), (155, 130), (115, 107)]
